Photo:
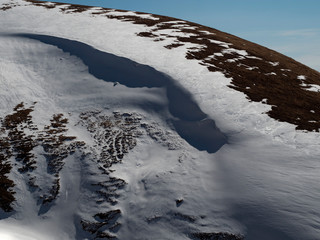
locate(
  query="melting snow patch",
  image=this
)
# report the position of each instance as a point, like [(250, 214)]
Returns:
[(49, 4), (269, 74), (172, 22), (207, 32), (253, 57), (213, 56), (301, 77), (274, 63), (185, 26), (251, 68), (63, 6), (222, 44), (311, 87), (96, 8), (147, 16), (175, 33), (235, 59), (232, 50), (130, 13), (217, 55), (232, 60)]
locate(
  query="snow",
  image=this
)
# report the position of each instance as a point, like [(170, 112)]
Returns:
[(207, 32), (222, 44), (254, 57), (252, 68), (311, 87), (185, 26), (173, 22), (301, 77), (232, 50), (130, 13), (270, 74), (265, 181), (308, 87), (175, 33), (274, 64), (15, 231)]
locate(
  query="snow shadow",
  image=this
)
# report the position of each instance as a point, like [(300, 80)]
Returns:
[(188, 119)]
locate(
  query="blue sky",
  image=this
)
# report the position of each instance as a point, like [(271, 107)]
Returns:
[(291, 27)]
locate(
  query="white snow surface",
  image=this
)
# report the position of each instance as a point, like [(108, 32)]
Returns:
[(311, 87), (265, 182), (130, 13)]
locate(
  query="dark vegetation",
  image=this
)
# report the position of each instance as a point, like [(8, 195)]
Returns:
[(173, 45), (290, 101), (216, 236), (14, 142), (57, 146), (119, 134), (104, 222), (22, 143), (107, 191), (6, 185), (7, 6), (114, 136), (17, 141)]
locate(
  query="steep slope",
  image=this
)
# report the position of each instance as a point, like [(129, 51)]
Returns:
[(222, 143)]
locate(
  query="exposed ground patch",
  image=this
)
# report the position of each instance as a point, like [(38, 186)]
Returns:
[(215, 236), (6, 184)]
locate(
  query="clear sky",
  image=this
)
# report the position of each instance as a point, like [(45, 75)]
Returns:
[(291, 27)]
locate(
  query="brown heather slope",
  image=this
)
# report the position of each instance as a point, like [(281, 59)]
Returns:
[(263, 75)]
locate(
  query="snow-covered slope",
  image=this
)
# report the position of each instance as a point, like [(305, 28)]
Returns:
[(200, 135)]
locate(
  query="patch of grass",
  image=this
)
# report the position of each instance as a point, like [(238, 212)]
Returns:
[(6, 184)]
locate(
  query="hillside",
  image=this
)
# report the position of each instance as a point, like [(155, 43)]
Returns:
[(126, 125)]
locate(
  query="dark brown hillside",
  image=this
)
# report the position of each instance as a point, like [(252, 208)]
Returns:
[(262, 74)]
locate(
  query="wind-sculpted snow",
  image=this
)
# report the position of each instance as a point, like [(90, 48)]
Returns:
[(108, 67), (114, 136)]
